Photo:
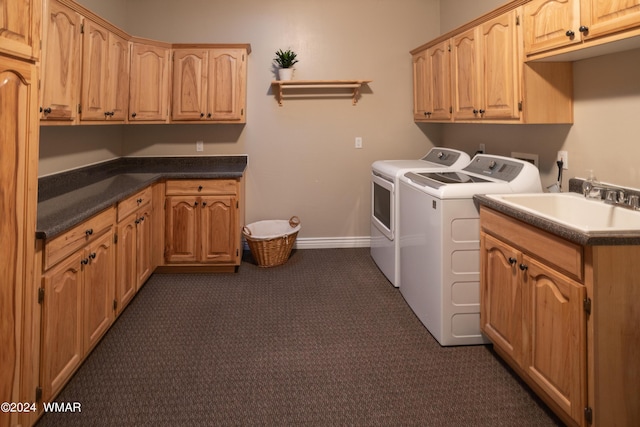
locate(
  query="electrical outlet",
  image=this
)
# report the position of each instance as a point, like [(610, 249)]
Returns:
[(199, 146), (358, 142), (481, 148), (564, 156)]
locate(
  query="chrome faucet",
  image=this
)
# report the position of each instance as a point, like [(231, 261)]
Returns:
[(611, 194)]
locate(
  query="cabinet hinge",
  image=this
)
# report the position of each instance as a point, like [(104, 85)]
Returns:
[(81, 28), (237, 204), (115, 305), (450, 110), (520, 106), (237, 252), (588, 414), (79, 109), (40, 295), (517, 19), (38, 394), (587, 305), (449, 48), (115, 238)]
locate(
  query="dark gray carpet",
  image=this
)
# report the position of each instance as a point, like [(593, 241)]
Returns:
[(322, 340)]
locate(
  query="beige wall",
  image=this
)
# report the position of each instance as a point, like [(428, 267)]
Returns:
[(302, 158)]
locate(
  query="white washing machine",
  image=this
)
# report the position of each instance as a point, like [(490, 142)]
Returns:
[(385, 175), (440, 241)]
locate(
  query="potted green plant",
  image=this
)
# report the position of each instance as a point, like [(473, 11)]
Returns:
[(285, 60)]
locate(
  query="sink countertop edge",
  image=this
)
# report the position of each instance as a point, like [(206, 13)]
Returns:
[(558, 229)]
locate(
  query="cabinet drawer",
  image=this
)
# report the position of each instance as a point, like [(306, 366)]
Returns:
[(65, 244), (201, 187), (553, 250), (127, 206)]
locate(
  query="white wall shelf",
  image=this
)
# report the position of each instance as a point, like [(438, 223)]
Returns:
[(315, 87)]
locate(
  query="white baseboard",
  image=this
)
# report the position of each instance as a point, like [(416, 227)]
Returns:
[(329, 242)]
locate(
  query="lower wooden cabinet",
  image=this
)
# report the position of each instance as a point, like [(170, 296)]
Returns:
[(77, 298), (202, 222), (534, 316), (134, 244), (564, 317)]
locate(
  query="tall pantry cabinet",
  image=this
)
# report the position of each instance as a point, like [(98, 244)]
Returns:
[(19, 50)]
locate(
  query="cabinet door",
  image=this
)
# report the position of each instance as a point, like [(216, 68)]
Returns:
[(95, 63), (603, 17), (126, 273), (500, 53), (420, 86), (555, 336), (99, 290), (143, 246), (60, 63), (438, 81), (149, 83), (226, 84), (501, 296), (117, 78), (181, 226), (189, 84), (466, 75), (19, 27), (218, 229), (18, 149), (62, 348), (550, 24)]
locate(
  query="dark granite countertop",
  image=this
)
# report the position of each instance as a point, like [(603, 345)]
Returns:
[(68, 198), (571, 234)]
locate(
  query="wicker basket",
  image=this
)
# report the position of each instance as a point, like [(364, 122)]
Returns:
[(271, 241)]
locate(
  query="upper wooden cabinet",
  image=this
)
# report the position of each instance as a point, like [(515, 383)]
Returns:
[(431, 80), (105, 74), (209, 84), (20, 28), (60, 63), (149, 82), (554, 24)]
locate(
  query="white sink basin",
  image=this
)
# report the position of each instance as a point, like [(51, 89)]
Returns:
[(575, 211)]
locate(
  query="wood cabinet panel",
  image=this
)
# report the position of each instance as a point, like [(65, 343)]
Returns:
[(205, 187), (98, 291), (126, 254), (20, 28), (549, 23), (609, 16), (181, 229), (62, 330), (65, 244), (226, 84), (218, 225), (466, 75), (555, 329), (149, 83), (18, 189), (501, 294), (105, 74), (189, 84), (60, 63), (129, 205)]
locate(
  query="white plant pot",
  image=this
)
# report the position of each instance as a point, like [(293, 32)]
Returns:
[(285, 73)]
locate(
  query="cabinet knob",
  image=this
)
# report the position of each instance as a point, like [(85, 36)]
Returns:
[(570, 34), (201, 115), (85, 261), (481, 111), (47, 110), (475, 112), (89, 232), (512, 260), (133, 114), (523, 267), (92, 255), (195, 204), (209, 115), (200, 187), (139, 201), (583, 29), (204, 204), (428, 114)]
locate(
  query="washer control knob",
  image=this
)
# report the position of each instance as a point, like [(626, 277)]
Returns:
[(492, 165)]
